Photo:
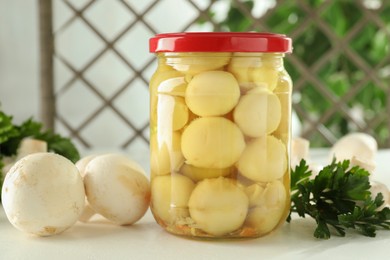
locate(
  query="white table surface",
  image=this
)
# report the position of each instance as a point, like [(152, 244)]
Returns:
[(146, 240)]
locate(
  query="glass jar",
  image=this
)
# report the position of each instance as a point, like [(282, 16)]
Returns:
[(220, 109)]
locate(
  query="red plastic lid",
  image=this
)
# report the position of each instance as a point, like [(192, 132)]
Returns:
[(220, 42)]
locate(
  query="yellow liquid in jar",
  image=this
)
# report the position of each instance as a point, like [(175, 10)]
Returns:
[(211, 189)]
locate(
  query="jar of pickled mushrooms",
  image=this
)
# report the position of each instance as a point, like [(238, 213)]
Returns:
[(220, 109)]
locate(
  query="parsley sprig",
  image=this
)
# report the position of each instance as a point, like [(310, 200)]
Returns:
[(339, 198), (11, 135)]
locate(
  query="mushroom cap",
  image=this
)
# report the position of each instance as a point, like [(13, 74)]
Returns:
[(81, 166), (83, 162), (117, 188), (43, 194), (360, 145), (379, 187)]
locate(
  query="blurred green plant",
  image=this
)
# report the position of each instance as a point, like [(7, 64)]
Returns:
[(339, 74)]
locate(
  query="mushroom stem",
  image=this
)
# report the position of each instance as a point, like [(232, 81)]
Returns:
[(299, 150), (368, 165), (28, 146)]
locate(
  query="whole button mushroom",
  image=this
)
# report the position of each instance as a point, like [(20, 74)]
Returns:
[(81, 165), (212, 142), (166, 155), (359, 145), (170, 197), (379, 187), (192, 64), (240, 65), (117, 188), (43, 194), (263, 160), (359, 148), (218, 206), (266, 215), (173, 111), (197, 174), (212, 93), (27, 146), (258, 112)]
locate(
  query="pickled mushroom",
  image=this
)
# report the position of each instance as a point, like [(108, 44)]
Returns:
[(263, 160), (212, 142), (252, 68), (265, 75), (196, 63), (258, 113), (198, 174), (218, 206), (166, 153), (255, 194), (175, 86), (158, 79), (164, 79), (170, 195), (212, 93), (239, 66), (267, 214), (174, 110)]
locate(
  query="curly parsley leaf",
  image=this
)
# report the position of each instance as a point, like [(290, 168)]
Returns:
[(338, 198), (11, 135), (7, 129), (60, 145)]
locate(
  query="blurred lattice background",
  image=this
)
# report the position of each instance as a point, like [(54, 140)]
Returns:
[(340, 64)]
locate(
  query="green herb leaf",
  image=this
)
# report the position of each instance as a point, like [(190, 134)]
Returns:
[(7, 130), (338, 198), (60, 145), (11, 135)]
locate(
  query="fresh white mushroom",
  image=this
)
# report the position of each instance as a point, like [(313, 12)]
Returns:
[(368, 165), (378, 187), (83, 162), (27, 146), (299, 150), (81, 165), (117, 188), (315, 169), (8, 163), (359, 145), (43, 194)]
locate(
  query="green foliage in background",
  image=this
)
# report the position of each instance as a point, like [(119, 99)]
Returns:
[(339, 74)]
